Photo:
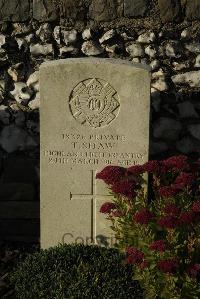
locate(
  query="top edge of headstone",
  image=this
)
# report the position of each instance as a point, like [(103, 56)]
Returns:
[(96, 61)]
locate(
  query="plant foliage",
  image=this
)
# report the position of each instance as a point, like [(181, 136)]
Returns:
[(75, 271), (158, 230)]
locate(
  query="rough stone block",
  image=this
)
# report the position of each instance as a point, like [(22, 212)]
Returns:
[(103, 10), (20, 238), (193, 9), (189, 78), (1, 162), (19, 210), (19, 227), (44, 10), (194, 130), (188, 145), (20, 170), (14, 10), (17, 192), (169, 9), (135, 8), (167, 129), (73, 9), (14, 138)]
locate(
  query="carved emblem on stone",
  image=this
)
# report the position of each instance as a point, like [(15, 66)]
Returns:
[(94, 102)]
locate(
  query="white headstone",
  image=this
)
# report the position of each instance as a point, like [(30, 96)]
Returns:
[(94, 112)]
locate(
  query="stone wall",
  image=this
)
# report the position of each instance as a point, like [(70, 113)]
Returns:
[(97, 10), (164, 34)]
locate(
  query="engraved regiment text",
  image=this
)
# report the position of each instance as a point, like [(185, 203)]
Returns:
[(93, 149)]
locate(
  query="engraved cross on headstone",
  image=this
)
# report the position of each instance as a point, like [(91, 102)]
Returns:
[(93, 196)]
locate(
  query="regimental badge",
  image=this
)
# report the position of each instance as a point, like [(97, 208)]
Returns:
[(94, 102)]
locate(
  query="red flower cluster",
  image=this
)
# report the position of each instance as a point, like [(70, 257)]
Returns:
[(176, 163), (196, 211), (152, 166), (158, 246), (111, 174), (143, 216), (194, 270), (168, 222), (125, 188), (134, 256), (171, 209), (186, 218), (107, 207), (168, 265), (136, 169), (184, 180), (168, 191), (196, 206)]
